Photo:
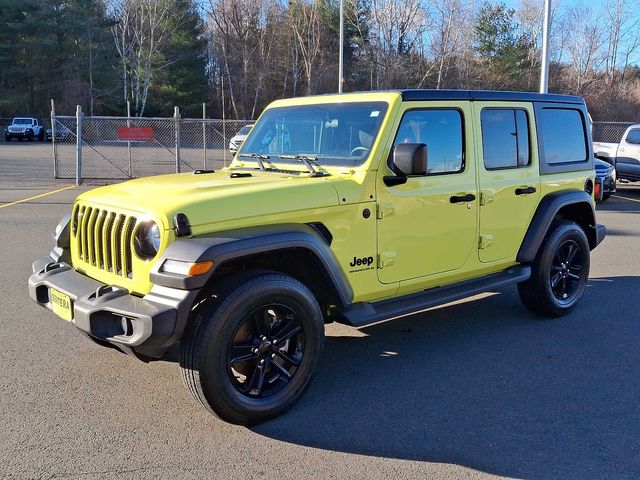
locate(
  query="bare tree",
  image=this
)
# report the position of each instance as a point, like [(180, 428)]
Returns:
[(306, 24), (243, 32), (449, 16), (139, 32), (398, 28), (584, 40), (623, 38)]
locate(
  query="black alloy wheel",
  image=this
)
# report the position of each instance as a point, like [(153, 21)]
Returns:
[(251, 347), (559, 273), (564, 278), (266, 351)]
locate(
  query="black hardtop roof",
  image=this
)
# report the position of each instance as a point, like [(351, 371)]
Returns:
[(487, 95), (480, 95)]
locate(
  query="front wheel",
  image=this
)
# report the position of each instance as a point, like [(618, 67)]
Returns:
[(560, 272), (251, 350)]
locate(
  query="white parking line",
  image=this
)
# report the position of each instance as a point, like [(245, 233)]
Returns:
[(627, 198)]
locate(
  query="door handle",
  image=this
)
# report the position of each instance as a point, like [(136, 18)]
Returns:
[(469, 197), (525, 190)]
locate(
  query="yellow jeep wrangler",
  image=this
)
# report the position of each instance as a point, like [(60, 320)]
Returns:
[(354, 208)]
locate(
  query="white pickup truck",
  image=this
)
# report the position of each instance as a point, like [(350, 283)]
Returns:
[(25, 128), (624, 156)]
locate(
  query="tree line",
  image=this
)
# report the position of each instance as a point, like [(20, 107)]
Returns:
[(238, 55)]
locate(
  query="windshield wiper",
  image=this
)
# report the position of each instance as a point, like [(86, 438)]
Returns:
[(306, 160), (258, 158)]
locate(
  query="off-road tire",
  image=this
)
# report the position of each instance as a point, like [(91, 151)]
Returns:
[(537, 293), (206, 347), (41, 136)]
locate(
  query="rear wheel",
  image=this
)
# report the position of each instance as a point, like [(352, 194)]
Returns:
[(251, 350), (560, 272)]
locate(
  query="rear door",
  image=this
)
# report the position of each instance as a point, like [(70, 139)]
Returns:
[(628, 159), (508, 174)]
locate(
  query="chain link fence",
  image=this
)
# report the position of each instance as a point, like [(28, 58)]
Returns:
[(609, 132), (117, 148)]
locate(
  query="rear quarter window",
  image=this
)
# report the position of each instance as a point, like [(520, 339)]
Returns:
[(564, 141), (563, 135)]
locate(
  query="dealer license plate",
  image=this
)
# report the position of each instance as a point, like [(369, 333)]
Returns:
[(61, 304)]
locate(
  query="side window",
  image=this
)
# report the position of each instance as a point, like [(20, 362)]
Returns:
[(563, 136), (441, 131), (505, 138), (633, 136)]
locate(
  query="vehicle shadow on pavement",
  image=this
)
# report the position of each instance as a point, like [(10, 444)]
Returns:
[(486, 385)]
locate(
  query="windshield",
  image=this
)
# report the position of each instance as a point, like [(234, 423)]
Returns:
[(337, 134), (22, 121), (244, 130)]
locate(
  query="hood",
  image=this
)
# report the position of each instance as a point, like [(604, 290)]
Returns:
[(216, 197), (601, 164)]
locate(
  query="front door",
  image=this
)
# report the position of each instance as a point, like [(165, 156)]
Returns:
[(429, 224), (509, 176)]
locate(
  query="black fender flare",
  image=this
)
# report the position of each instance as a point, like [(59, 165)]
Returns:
[(548, 209), (221, 247)]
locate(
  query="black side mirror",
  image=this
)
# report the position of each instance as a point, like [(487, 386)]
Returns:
[(408, 159)]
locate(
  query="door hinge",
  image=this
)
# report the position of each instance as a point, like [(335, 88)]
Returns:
[(486, 196), (485, 241), (384, 209), (386, 259)]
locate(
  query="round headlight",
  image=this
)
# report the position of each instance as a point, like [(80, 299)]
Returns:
[(147, 240)]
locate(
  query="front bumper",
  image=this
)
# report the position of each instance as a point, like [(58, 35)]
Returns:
[(609, 185), (19, 134), (146, 326)]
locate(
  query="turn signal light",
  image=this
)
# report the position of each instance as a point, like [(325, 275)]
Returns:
[(187, 269)]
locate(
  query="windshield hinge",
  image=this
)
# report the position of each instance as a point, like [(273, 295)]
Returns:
[(386, 259), (486, 196), (485, 241), (384, 210)]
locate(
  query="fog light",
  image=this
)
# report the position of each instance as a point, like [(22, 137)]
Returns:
[(127, 326)]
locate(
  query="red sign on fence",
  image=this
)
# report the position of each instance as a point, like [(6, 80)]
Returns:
[(135, 134)]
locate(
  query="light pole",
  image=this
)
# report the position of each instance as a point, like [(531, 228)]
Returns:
[(544, 68), (341, 54)]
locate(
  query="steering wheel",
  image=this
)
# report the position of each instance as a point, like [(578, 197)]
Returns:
[(364, 151)]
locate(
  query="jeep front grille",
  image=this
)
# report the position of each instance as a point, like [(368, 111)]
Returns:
[(103, 239)]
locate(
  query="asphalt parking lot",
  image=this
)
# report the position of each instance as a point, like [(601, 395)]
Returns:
[(476, 389)]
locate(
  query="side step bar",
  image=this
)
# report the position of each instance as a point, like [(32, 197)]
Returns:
[(364, 313)]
